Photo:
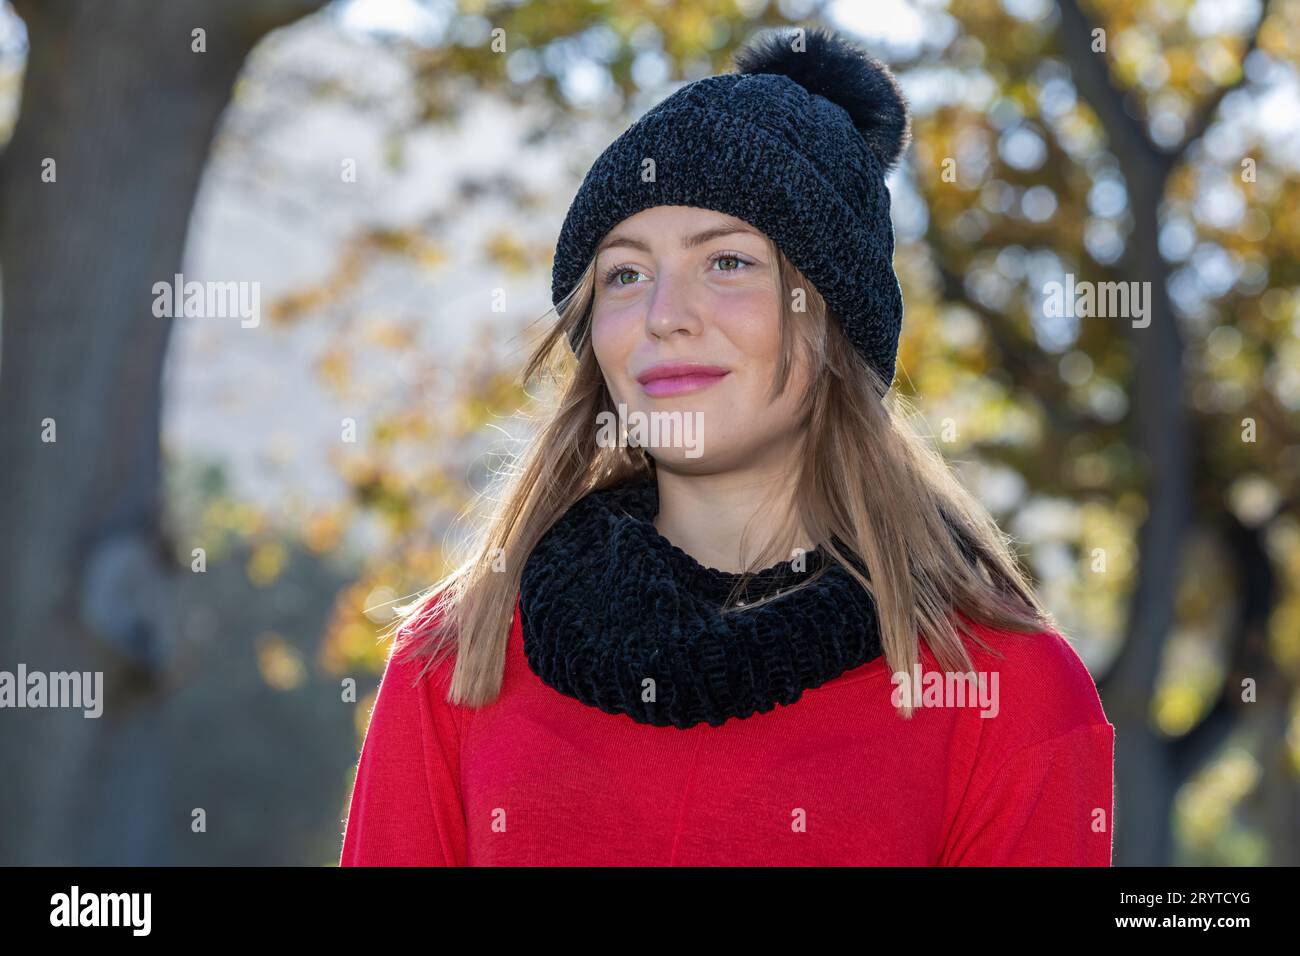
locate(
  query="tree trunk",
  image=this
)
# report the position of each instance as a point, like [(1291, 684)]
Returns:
[(1150, 779), (116, 97), (1148, 768)]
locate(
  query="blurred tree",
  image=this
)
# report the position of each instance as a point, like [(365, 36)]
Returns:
[(118, 110), (1151, 766), (1086, 158)]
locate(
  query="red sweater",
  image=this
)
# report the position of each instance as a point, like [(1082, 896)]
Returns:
[(537, 778)]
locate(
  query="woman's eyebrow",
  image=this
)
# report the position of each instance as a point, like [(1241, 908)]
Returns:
[(688, 242)]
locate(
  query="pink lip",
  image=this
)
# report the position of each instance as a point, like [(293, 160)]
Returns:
[(679, 378)]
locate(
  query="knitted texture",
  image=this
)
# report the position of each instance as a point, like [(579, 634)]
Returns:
[(798, 145), (607, 602)]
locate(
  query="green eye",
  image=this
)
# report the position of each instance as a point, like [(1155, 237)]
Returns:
[(740, 261), (617, 272)]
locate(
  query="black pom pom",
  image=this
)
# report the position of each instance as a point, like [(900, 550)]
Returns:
[(845, 74)]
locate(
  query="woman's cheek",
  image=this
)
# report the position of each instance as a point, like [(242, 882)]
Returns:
[(614, 338), (750, 322), (611, 320), (606, 337)]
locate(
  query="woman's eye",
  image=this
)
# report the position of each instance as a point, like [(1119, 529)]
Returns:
[(726, 262), (728, 257), (615, 275)]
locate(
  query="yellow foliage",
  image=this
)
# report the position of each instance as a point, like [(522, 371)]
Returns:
[(323, 530), (279, 663), (267, 562)]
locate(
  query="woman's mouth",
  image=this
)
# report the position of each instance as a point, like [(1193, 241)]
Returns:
[(683, 383)]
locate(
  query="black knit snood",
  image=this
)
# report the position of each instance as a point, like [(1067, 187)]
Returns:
[(618, 617)]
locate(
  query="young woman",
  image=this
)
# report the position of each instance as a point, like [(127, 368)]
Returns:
[(729, 609)]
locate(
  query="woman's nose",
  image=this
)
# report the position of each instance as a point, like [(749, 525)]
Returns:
[(673, 305)]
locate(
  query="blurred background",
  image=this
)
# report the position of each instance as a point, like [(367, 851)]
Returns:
[(216, 510)]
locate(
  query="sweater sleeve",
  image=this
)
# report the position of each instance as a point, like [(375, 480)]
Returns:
[(406, 807), (1049, 804)]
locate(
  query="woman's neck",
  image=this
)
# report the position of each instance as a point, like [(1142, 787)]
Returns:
[(706, 516)]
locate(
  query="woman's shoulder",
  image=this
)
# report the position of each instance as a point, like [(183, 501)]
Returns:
[(411, 658), (1041, 685)]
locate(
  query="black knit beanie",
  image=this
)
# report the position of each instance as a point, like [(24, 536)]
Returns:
[(797, 143)]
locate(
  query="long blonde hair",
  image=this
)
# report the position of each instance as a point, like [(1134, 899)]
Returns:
[(935, 559)]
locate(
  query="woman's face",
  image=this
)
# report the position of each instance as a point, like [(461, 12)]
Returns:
[(677, 284)]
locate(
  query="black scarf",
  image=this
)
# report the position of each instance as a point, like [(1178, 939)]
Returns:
[(607, 602)]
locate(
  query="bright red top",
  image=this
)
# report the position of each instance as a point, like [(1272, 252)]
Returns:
[(537, 778)]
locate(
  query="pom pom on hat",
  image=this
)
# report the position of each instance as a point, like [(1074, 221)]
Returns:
[(845, 74)]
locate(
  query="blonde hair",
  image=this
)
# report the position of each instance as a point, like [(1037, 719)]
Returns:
[(935, 559)]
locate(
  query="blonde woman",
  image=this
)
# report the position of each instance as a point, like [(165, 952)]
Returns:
[(729, 609)]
